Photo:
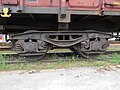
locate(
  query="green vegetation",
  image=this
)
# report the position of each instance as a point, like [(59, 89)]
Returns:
[(115, 58), (62, 62), (3, 66)]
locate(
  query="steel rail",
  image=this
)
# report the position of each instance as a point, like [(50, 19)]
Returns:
[(63, 54)]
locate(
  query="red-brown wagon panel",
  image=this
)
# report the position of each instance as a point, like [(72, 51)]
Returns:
[(42, 3), (32, 3), (14, 2), (112, 5), (86, 4), (38, 3), (55, 3)]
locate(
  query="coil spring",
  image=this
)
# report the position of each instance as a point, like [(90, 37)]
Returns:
[(18, 48)]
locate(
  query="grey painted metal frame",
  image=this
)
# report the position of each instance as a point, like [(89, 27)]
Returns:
[(34, 10), (114, 13), (56, 10)]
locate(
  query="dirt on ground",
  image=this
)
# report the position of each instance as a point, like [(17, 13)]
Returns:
[(84, 78)]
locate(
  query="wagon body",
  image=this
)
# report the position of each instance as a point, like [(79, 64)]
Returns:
[(81, 25), (47, 14)]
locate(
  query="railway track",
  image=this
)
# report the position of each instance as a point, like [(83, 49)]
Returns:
[(114, 42), (58, 54), (6, 46)]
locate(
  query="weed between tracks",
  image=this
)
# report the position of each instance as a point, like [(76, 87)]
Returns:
[(72, 61), (3, 66)]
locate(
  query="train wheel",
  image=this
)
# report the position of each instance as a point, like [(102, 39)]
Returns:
[(32, 50), (33, 57), (88, 54), (73, 49)]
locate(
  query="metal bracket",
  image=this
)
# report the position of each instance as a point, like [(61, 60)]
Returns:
[(65, 19), (63, 16), (5, 12)]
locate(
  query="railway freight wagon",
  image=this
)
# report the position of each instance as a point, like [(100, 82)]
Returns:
[(36, 26)]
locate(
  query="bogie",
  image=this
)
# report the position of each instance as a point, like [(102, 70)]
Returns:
[(35, 44)]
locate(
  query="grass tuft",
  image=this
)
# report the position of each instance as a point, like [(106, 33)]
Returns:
[(115, 58), (63, 62), (3, 66)]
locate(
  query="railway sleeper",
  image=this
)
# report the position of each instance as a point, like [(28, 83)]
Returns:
[(33, 44)]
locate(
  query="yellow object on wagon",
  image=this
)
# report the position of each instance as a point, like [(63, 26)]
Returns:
[(5, 13)]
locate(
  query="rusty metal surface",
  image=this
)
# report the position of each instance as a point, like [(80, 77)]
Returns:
[(31, 3), (70, 15), (105, 5), (6, 46), (35, 43), (11, 2), (112, 5), (84, 3), (16, 57)]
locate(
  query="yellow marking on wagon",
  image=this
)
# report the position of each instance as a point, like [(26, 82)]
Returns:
[(5, 13), (117, 3)]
